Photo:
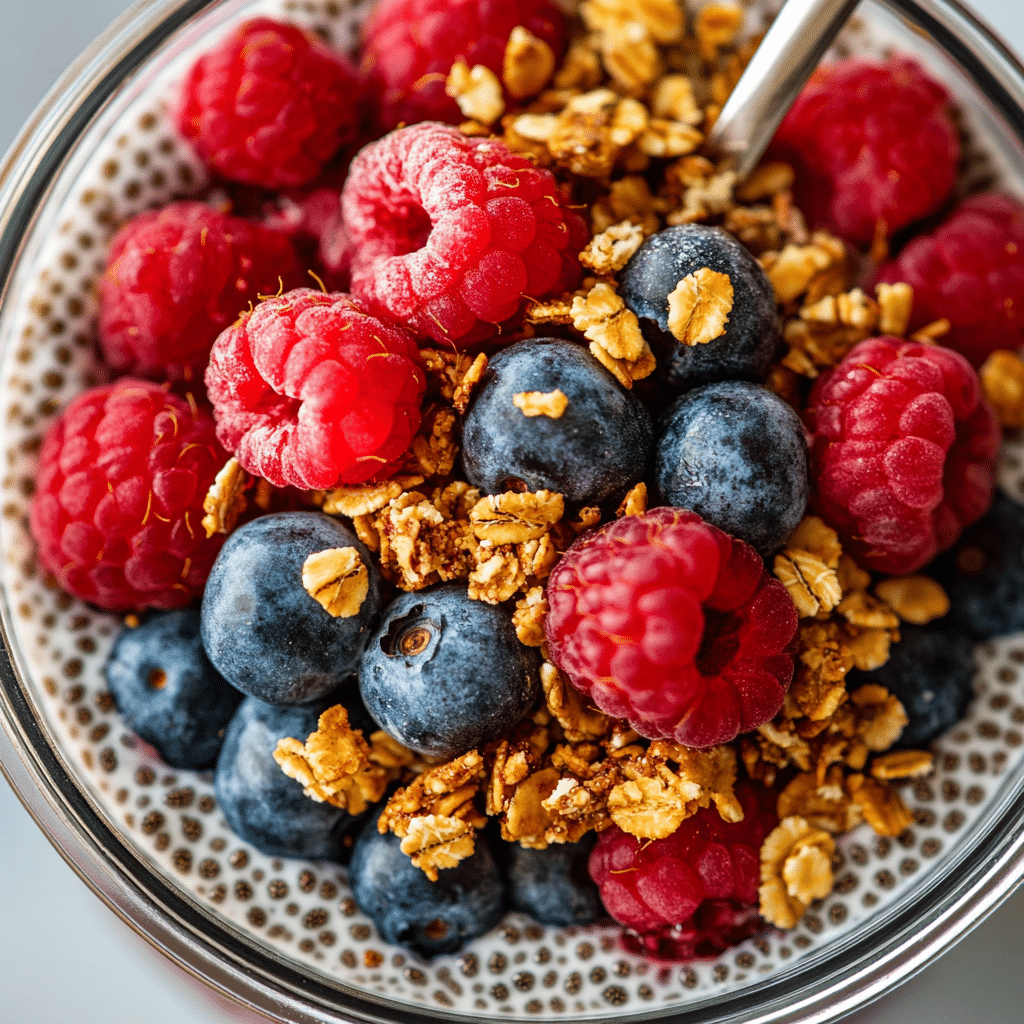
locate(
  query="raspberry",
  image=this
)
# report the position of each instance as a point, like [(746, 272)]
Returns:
[(410, 46), (903, 451), (308, 390), (175, 278), (270, 105), (970, 270), (449, 233), (119, 497), (668, 622), (873, 147), (694, 893)]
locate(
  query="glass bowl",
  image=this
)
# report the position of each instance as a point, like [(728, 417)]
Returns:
[(284, 937)]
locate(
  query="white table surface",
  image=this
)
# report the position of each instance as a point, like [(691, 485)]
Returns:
[(66, 959)]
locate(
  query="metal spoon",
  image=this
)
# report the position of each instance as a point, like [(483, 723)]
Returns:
[(790, 51)]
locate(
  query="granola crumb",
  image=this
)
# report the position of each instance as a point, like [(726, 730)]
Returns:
[(635, 502), (528, 63), (477, 91), (1002, 382), (610, 250), (541, 403), (337, 580), (225, 501), (915, 599)]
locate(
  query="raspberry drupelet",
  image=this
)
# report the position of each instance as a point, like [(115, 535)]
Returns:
[(903, 451), (449, 233), (270, 105), (873, 147), (118, 506), (309, 390), (409, 47), (175, 278), (666, 621), (694, 893), (970, 271)]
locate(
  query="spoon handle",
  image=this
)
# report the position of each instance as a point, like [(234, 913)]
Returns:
[(790, 51)]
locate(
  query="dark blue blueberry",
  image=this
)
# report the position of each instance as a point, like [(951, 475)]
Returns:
[(264, 806), (412, 911), (261, 629), (553, 885), (168, 692), (751, 336), (986, 589), (444, 674), (596, 450), (931, 671), (735, 454)]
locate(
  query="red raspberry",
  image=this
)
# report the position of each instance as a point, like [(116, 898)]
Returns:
[(449, 233), (308, 390), (176, 277), (668, 622), (118, 506), (970, 271), (410, 46), (694, 893), (903, 451), (872, 144), (270, 105)]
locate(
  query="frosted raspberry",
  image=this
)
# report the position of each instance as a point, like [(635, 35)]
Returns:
[(694, 893), (410, 46), (449, 233), (903, 451), (871, 143), (269, 105), (970, 271), (308, 390), (175, 278), (668, 622), (119, 497)]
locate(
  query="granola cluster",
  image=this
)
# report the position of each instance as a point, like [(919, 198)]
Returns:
[(637, 85)]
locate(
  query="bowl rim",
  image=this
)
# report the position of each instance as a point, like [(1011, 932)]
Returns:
[(879, 955)]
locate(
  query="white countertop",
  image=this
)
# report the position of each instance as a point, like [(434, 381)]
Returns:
[(66, 959)]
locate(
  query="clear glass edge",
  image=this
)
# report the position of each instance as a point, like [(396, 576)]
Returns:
[(238, 969)]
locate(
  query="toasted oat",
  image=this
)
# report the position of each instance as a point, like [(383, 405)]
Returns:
[(581, 68), (541, 403), (793, 270), (592, 130), (704, 197), (556, 311), (513, 518), (880, 717), (334, 765), (766, 181), (814, 536), (602, 317), (881, 805), (796, 869), (902, 764), (895, 304), (811, 583), (635, 502), (364, 499), (663, 20), (477, 91), (861, 609), (1002, 382), (434, 842), (628, 198), (528, 63), (819, 687), (467, 380), (225, 501), (497, 576), (610, 250), (563, 701), (528, 618), (433, 448), (916, 599), (538, 557), (665, 138), (337, 580), (870, 648), (673, 99), (827, 806), (699, 307), (716, 28), (653, 808)]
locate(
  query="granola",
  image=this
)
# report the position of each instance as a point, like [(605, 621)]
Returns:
[(337, 580), (1002, 381), (225, 501), (477, 91), (796, 869), (528, 63), (699, 307), (541, 403)]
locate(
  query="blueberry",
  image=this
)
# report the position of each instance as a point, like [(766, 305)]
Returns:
[(553, 885), (412, 911), (735, 454), (444, 674), (168, 692), (752, 334), (597, 449), (262, 630), (264, 806), (931, 671), (986, 589)]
